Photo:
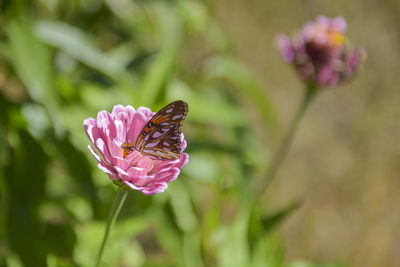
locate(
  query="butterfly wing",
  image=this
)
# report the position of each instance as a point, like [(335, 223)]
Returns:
[(160, 137)]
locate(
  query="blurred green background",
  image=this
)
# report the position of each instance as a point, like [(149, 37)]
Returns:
[(333, 203)]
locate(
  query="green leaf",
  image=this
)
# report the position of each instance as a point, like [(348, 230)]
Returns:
[(12, 260), (273, 220), (233, 245), (268, 251), (89, 240), (182, 208), (243, 82), (25, 177), (122, 248), (33, 64), (168, 235), (158, 73), (194, 14), (54, 232), (98, 98), (192, 249), (261, 225), (31, 59), (80, 46), (205, 109), (203, 167)]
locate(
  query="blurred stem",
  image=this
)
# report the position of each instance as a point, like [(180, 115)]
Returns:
[(116, 207), (309, 93)]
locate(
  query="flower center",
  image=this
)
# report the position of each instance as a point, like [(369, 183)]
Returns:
[(337, 38), (126, 149), (327, 37)]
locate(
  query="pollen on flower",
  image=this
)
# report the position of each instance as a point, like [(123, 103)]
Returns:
[(326, 37), (338, 38), (126, 149)]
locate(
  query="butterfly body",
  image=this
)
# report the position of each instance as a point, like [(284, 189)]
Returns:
[(160, 137)]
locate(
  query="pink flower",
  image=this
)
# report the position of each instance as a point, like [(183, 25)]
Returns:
[(319, 52), (111, 133)]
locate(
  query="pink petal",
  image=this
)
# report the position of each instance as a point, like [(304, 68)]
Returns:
[(325, 75), (339, 24), (155, 189), (117, 109), (167, 176), (138, 122), (134, 156), (130, 111), (115, 149), (131, 185), (285, 47), (122, 163), (146, 112), (183, 142), (323, 21), (107, 170), (105, 122), (136, 173), (120, 128), (183, 160), (146, 163), (91, 129), (123, 175), (94, 153)]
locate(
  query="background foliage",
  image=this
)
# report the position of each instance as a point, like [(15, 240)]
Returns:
[(63, 61)]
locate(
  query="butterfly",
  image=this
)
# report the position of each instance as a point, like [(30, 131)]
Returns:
[(160, 137)]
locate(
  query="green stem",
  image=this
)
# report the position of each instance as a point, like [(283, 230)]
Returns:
[(287, 140), (116, 207)]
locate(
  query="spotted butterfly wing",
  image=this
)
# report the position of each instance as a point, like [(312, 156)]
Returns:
[(160, 137)]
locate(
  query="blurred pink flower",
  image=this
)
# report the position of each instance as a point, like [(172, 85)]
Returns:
[(110, 133), (319, 52)]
